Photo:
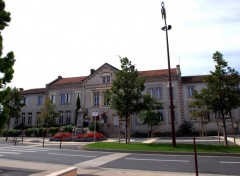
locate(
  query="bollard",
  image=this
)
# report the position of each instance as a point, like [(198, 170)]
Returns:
[(15, 142)]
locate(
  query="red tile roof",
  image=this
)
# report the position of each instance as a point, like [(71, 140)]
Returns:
[(34, 91), (156, 73), (71, 80)]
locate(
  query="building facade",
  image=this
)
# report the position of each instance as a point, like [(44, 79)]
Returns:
[(64, 92)]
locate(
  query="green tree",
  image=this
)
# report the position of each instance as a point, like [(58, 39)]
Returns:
[(152, 116), (222, 93), (126, 92), (201, 111), (13, 102), (6, 66), (78, 106), (48, 115)]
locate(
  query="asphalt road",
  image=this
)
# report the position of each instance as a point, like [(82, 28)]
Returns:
[(225, 165)]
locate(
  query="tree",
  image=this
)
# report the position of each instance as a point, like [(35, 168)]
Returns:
[(78, 106), (6, 66), (201, 111), (48, 115), (13, 102), (152, 116), (126, 92), (222, 93)]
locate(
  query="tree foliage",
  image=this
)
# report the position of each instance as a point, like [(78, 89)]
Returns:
[(151, 115), (6, 66), (12, 101), (222, 93), (126, 92), (48, 115)]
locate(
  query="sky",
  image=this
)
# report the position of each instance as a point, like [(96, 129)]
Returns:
[(69, 37)]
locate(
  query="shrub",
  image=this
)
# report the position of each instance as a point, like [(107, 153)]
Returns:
[(185, 129), (29, 132), (91, 126), (39, 132), (67, 128), (53, 130), (21, 127)]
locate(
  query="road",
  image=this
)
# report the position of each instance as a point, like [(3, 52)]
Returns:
[(224, 165)]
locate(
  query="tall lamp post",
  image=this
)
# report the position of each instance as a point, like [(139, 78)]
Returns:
[(166, 28)]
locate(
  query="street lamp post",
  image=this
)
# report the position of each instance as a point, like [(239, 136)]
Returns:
[(166, 28)]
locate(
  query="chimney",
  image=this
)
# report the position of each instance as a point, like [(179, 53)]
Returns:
[(178, 70), (92, 71)]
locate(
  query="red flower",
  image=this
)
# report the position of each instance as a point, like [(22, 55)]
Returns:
[(62, 135)]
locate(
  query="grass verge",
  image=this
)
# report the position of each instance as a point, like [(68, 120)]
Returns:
[(164, 147)]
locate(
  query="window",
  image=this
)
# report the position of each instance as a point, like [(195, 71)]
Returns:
[(159, 93), (53, 98), (190, 91), (96, 99), (60, 120), (106, 100), (191, 111), (161, 114), (150, 91), (65, 98), (24, 101), (68, 117), (38, 116), (16, 121), (23, 117), (29, 118), (40, 100), (106, 78)]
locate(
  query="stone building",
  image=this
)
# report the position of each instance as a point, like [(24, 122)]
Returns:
[(64, 92)]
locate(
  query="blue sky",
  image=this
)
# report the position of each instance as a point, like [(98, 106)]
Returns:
[(69, 37)]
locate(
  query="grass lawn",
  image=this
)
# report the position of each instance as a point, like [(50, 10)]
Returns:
[(164, 147)]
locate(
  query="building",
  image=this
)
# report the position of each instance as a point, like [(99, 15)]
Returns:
[(64, 92)]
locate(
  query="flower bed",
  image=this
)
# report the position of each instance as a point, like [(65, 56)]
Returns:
[(88, 137), (62, 137)]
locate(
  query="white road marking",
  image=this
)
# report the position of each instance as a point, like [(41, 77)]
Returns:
[(10, 153), (23, 148), (229, 162), (101, 160), (139, 159), (72, 155), (11, 150), (150, 141)]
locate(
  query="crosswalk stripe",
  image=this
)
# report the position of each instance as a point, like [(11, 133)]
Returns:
[(26, 151), (101, 160), (10, 153), (24, 148)]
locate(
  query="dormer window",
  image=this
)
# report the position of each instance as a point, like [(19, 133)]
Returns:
[(106, 78)]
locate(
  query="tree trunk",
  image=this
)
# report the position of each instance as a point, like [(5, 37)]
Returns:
[(224, 129), (126, 130), (151, 131), (129, 129), (8, 125)]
